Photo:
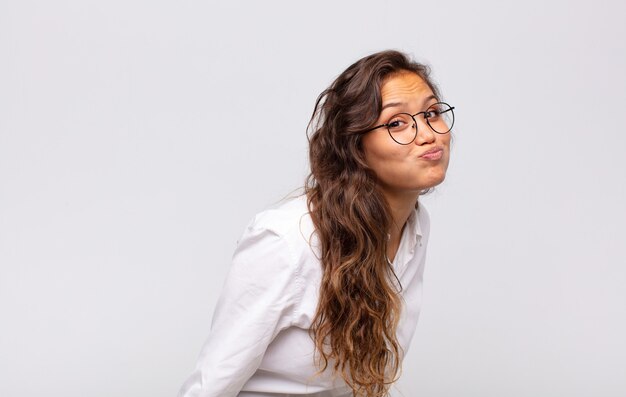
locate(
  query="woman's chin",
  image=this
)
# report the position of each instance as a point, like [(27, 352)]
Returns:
[(433, 181)]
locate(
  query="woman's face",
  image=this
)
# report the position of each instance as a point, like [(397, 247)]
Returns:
[(405, 168)]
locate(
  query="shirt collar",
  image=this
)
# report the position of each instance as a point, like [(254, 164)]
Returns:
[(413, 224)]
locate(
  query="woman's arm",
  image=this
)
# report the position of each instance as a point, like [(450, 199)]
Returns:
[(258, 300)]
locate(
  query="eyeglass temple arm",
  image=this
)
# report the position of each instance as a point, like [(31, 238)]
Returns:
[(373, 128)]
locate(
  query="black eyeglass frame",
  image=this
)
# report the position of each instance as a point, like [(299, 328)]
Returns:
[(451, 109)]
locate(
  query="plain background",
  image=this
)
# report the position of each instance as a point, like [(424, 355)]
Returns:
[(137, 138)]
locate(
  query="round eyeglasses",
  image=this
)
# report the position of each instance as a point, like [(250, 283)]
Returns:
[(402, 127)]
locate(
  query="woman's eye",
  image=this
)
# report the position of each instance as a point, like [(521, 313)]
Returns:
[(432, 114), (397, 125)]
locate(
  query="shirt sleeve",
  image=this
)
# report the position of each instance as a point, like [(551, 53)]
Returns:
[(258, 301)]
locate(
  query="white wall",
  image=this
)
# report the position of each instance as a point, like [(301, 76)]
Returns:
[(137, 138)]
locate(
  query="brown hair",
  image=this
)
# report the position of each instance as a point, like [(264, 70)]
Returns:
[(359, 302)]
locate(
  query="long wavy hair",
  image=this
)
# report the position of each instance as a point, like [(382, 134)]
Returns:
[(354, 329)]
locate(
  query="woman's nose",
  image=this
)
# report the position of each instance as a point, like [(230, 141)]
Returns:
[(424, 133)]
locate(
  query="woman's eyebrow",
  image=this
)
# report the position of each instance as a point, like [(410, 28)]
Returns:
[(395, 104), (426, 100), (392, 104)]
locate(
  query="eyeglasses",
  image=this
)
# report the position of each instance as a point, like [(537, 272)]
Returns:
[(402, 127)]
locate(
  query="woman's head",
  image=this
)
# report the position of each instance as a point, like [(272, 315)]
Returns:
[(366, 95)]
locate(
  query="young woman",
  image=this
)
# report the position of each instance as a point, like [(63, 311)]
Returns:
[(324, 292)]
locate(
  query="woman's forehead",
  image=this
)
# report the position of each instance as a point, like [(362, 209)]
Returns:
[(404, 85)]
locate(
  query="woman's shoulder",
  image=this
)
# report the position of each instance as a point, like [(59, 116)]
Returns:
[(284, 231), (288, 217)]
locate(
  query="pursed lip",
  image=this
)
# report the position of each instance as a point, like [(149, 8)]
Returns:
[(431, 151)]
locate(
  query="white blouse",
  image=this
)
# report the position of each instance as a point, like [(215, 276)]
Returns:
[(259, 343)]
